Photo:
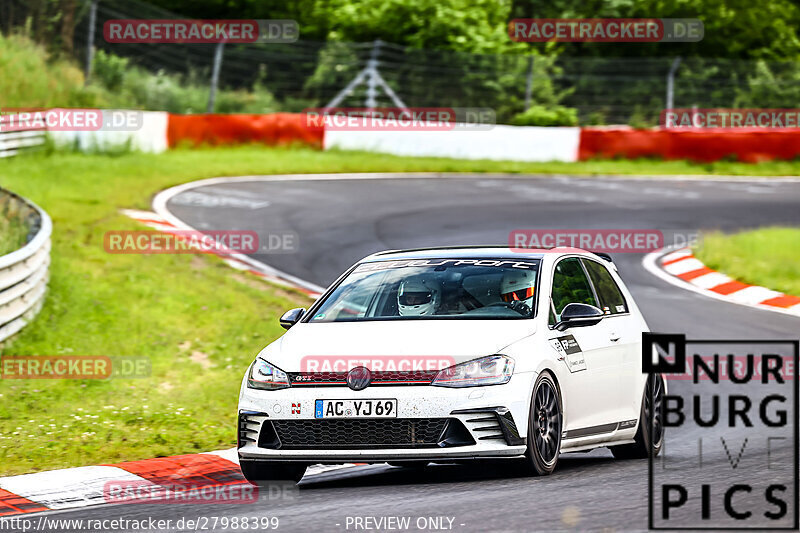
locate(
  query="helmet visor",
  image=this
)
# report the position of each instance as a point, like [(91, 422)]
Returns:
[(415, 298), (518, 295)]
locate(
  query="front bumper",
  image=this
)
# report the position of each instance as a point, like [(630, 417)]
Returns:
[(492, 422)]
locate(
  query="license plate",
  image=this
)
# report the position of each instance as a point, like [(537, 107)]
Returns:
[(355, 409)]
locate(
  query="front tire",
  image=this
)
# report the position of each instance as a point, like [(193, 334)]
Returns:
[(257, 472), (544, 427), (652, 402)]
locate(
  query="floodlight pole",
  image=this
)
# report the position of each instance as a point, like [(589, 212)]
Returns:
[(374, 80)]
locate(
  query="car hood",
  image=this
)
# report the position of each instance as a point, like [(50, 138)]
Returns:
[(435, 344)]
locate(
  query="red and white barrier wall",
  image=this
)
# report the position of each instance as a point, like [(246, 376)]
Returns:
[(161, 131), (272, 129), (747, 145), (149, 136), (511, 143)]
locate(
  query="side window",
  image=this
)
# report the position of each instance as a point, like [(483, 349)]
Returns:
[(570, 285), (611, 298)]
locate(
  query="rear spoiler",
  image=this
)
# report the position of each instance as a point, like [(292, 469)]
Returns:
[(604, 255)]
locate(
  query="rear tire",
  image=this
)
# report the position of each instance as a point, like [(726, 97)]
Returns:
[(643, 440), (544, 427), (257, 472)]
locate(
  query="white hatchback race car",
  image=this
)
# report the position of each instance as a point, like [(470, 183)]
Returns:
[(451, 354)]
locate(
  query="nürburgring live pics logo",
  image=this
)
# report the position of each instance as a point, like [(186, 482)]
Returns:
[(729, 458)]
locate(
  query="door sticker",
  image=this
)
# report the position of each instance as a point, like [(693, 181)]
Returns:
[(570, 352)]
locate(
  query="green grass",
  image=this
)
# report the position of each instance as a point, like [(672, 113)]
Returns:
[(769, 257), (12, 235), (199, 322)]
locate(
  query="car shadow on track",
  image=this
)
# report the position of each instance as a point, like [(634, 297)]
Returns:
[(380, 475)]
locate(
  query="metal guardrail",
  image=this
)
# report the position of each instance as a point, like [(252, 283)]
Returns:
[(11, 142), (24, 273)]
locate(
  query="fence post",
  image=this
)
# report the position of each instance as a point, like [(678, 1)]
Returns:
[(529, 83), (90, 42), (212, 93), (671, 82), (372, 79)]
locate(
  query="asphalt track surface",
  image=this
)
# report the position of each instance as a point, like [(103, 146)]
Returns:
[(340, 221)]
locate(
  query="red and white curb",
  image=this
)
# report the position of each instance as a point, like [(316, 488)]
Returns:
[(237, 261), (680, 267), (86, 485)]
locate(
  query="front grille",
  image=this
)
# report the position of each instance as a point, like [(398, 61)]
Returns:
[(359, 433), (413, 377)]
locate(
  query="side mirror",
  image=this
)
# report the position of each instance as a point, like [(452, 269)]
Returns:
[(579, 315), (290, 318)]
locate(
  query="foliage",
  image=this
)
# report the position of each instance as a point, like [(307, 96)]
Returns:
[(539, 115), (109, 69), (771, 85), (134, 87), (30, 77), (733, 28)]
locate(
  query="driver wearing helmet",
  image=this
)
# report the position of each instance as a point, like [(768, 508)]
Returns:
[(518, 286), (418, 297)]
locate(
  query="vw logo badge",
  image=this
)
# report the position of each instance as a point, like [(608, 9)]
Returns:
[(359, 378)]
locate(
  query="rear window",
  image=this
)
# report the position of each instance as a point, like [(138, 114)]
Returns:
[(611, 299)]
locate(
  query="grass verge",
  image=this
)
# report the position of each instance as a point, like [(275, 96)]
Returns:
[(198, 322), (12, 235), (769, 257)]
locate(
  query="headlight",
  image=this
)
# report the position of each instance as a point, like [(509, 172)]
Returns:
[(266, 376), (491, 370)]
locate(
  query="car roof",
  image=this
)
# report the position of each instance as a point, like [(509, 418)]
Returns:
[(471, 252)]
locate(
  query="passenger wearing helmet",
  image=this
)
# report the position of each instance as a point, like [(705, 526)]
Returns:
[(418, 297), (518, 286)]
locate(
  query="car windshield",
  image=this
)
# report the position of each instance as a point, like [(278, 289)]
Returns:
[(433, 289)]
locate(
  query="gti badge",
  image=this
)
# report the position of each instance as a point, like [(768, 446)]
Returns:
[(359, 378)]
